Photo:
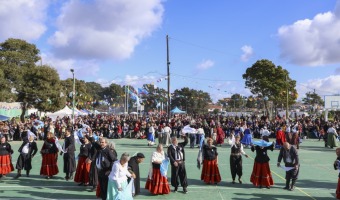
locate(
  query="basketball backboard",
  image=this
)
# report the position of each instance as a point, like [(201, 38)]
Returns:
[(332, 102)]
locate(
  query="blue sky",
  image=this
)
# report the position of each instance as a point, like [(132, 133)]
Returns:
[(211, 43)]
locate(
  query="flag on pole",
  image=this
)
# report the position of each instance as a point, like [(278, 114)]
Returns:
[(142, 91)]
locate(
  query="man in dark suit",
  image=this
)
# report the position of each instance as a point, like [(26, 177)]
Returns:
[(104, 161), (291, 159), (133, 167), (69, 157), (176, 155)]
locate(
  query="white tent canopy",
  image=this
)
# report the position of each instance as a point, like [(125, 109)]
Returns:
[(66, 111)]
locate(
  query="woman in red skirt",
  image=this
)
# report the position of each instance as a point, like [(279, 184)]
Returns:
[(280, 138), (49, 151), (210, 173), (261, 175), (83, 168), (5, 157), (220, 136), (156, 183), (337, 167)]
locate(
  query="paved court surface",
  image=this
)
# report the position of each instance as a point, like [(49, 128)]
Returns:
[(317, 179)]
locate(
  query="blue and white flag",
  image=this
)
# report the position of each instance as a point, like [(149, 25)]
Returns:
[(262, 143), (164, 167), (59, 146), (142, 91)]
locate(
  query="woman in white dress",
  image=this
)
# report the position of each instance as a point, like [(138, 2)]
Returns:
[(118, 179)]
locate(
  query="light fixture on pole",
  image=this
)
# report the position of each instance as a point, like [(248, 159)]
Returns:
[(73, 95)]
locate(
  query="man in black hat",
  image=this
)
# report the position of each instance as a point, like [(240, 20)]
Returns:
[(133, 167)]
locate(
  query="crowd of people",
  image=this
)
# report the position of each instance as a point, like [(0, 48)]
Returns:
[(98, 165)]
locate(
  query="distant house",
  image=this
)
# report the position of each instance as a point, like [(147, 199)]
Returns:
[(212, 107)]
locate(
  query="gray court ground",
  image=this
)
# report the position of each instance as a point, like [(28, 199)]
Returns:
[(318, 179)]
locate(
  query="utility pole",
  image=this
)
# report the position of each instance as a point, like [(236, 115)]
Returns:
[(287, 97), (168, 69), (73, 96)]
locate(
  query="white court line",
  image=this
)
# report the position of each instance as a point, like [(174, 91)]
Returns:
[(220, 194), (222, 187)]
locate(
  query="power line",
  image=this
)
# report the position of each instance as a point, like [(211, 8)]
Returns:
[(206, 79)]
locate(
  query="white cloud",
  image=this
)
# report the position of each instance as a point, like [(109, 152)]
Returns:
[(108, 29), (312, 42), (205, 64), (133, 80), (323, 86), (63, 66), (247, 53), (23, 19)]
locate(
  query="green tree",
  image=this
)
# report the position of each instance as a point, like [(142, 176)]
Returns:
[(313, 99), (81, 96), (94, 90), (34, 86), (190, 100), (251, 102), (114, 94), (41, 89), (265, 79), (19, 52)]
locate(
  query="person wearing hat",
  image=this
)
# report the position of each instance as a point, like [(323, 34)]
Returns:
[(27, 151), (236, 157), (133, 167), (83, 168), (5, 157)]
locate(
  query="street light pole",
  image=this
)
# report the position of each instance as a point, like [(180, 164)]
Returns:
[(73, 96)]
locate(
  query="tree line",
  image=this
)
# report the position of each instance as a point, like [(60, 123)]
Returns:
[(23, 79)]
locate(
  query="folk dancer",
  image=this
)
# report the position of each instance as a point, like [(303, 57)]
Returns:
[(49, 151), (210, 172), (157, 183), (117, 180), (290, 157), (69, 157), (83, 168), (133, 167), (177, 160), (27, 151), (261, 175), (337, 167), (236, 158), (5, 157)]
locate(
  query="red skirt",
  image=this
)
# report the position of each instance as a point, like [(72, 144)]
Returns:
[(49, 166), (280, 138), (98, 191), (5, 164), (83, 171), (220, 138), (158, 184), (261, 175), (210, 172), (338, 190)]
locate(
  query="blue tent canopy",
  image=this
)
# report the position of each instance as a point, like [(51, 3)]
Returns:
[(4, 118), (176, 110)]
